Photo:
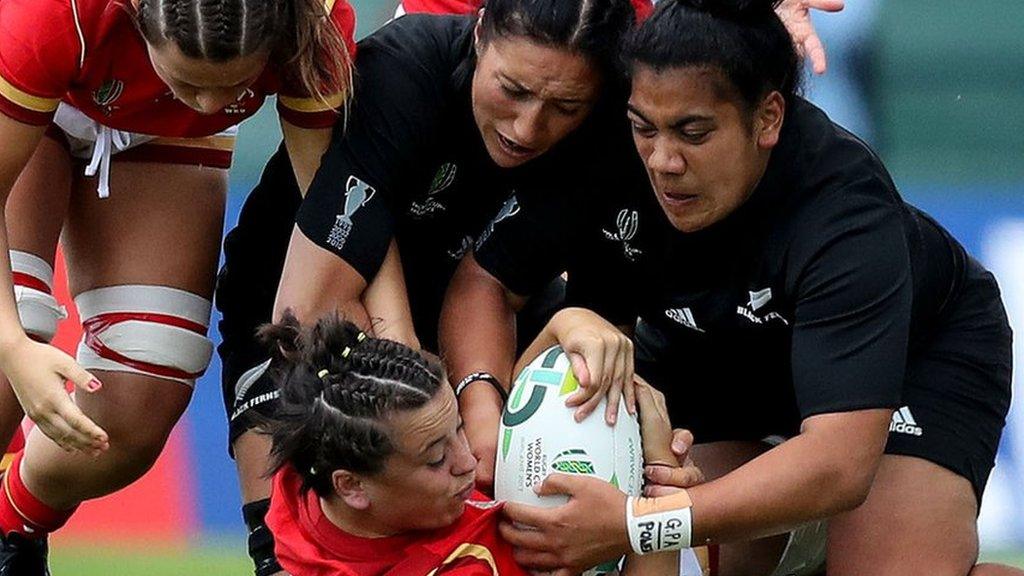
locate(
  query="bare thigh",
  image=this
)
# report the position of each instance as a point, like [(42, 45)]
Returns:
[(918, 519), (161, 226), (717, 459)]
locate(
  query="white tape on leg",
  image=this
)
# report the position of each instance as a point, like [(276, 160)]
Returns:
[(150, 330), (39, 311)]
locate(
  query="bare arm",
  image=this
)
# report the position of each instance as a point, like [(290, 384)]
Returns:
[(315, 282), (387, 301), (305, 148), (20, 140), (825, 470), (37, 371), (477, 326), (477, 334)]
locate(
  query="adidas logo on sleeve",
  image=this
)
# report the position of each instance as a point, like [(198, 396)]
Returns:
[(903, 423)]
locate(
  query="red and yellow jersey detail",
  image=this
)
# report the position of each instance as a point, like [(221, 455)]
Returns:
[(25, 107), (91, 55)]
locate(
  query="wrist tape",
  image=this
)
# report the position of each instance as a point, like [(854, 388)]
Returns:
[(659, 524)]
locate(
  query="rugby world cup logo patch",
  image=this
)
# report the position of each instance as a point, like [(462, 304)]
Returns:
[(357, 195), (430, 205), (626, 225), (107, 94)]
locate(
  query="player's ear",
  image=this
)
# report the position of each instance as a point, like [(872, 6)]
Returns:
[(350, 488), (477, 45), (768, 121)]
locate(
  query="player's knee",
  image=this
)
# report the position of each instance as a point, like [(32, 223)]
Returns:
[(39, 311), (153, 331)]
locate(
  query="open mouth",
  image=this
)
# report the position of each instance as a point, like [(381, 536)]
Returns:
[(513, 149), (466, 492), (679, 198)]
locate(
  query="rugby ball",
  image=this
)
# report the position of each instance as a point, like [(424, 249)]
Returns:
[(538, 436)]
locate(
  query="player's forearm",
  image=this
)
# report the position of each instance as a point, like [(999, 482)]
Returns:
[(817, 474), (305, 148), (387, 302), (650, 564), (11, 331), (20, 141), (477, 326), (315, 282)]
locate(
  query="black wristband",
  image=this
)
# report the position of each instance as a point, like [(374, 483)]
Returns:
[(482, 377)]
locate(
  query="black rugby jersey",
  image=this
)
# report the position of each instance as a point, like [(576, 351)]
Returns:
[(411, 163), (806, 300)]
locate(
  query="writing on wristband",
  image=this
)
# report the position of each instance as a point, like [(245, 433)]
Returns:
[(482, 377), (659, 524)]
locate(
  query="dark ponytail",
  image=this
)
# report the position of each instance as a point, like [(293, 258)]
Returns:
[(337, 387), (744, 39), (298, 34)]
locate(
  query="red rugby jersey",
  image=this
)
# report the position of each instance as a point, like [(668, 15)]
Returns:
[(89, 54), (643, 7), (308, 544)]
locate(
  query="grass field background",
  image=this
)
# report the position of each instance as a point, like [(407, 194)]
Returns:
[(220, 559)]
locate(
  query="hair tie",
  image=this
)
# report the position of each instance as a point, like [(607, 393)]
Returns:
[(361, 337), (346, 352), (323, 374)]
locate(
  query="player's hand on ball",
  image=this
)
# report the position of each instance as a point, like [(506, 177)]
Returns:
[(655, 428), (796, 15), (586, 531), (480, 406), (37, 373), (602, 360), (664, 480)]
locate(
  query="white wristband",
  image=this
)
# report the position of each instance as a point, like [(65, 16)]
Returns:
[(659, 524)]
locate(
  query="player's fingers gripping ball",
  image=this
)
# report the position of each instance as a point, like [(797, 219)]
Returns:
[(538, 436), (655, 426)]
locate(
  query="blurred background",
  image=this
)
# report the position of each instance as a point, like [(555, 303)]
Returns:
[(935, 87)]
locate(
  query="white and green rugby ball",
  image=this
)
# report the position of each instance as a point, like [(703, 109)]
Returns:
[(538, 436)]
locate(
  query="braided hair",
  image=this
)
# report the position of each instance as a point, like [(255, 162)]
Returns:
[(298, 34), (337, 387)]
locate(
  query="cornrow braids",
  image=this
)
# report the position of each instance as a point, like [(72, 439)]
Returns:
[(298, 35), (338, 387)]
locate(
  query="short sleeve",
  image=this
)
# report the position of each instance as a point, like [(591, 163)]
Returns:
[(853, 305), (349, 207), (525, 245), (40, 53), (294, 104)]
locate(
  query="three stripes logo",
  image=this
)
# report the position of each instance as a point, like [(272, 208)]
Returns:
[(683, 316), (903, 423)]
